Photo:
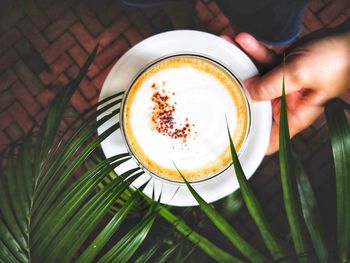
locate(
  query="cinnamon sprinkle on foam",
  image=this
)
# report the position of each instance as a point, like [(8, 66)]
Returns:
[(162, 115)]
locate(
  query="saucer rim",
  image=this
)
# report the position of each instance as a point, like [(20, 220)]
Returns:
[(206, 43)]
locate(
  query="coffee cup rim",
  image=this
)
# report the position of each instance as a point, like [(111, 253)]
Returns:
[(202, 56)]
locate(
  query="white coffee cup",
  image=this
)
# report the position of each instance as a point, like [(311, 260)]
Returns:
[(175, 112)]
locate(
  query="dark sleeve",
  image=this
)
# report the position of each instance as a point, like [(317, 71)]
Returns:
[(274, 22), (344, 27)]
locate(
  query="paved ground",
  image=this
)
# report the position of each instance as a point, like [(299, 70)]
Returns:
[(44, 42)]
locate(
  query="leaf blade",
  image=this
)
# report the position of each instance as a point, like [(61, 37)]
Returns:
[(10, 242), (69, 240), (311, 212), (226, 229), (339, 130), (58, 105), (6, 255), (200, 241), (254, 206), (72, 199), (128, 244), (46, 200), (289, 187), (103, 237), (147, 255), (14, 198), (9, 219)]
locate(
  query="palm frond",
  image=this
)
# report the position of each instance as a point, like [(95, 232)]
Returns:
[(311, 212), (59, 174), (225, 228), (202, 242), (291, 198), (339, 130), (127, 245), (254, 207), (67, 242), (10, 247), (149, 253), (168, 253), (45, 217), (70, 200), (49, 130), (101, 240), (198, 240), (13, 237), (183, 258), (87, 118), (15, 185)]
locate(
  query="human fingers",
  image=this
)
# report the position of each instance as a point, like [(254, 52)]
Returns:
[(255, 49), (299, 118), (269, 86), (273, 144)]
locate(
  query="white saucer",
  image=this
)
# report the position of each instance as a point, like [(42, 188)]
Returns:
[(187, 41)]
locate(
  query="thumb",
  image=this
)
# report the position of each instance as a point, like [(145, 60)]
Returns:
[(269, 86)]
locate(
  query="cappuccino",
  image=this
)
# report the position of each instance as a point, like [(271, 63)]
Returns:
[(175, 112)]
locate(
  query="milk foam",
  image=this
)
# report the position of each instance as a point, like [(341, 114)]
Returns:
[(202, 100)]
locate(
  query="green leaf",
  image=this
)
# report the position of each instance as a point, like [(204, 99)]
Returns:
[(311, 212), (22, 177), (58, 105), (95, 247), (21, 190), (44, 201), (141, 205), (77, 139), (87, 120), (291, 198), (15, 198), (50, 127), (186, 256), (148, 254), (25, 173), (68, 240), (65, 213), (254, 207), (5, 254), (71, 200), (89, 116), (339, 130), (41, 166), (8, 217), (168, 253), (126, 247), (202, 242), (11, 244), (226, 229)]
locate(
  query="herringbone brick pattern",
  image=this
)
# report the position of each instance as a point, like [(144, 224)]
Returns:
[(43, 43)]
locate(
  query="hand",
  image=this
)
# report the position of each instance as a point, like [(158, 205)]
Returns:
[(315, 72)]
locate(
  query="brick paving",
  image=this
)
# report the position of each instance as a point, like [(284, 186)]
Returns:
[(43, 43)]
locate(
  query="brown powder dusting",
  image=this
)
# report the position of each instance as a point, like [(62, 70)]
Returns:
[(162, 115)]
